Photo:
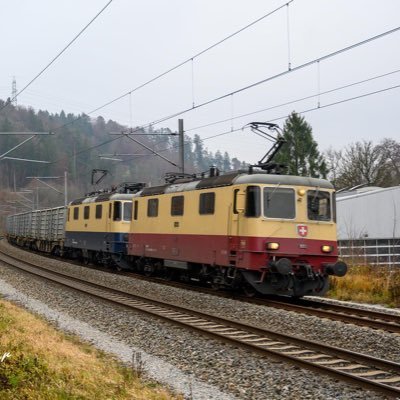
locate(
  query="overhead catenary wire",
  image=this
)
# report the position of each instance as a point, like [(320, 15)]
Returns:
[(190, 59), (318, 94), (87, 150), (231, 130), (256, 83), (58, 55), (270, 78), (273, 77), (227, 132)]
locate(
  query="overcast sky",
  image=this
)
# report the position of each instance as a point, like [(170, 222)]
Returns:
[(133, 41)]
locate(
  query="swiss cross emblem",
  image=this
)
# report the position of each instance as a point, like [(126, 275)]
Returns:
[(302, 230)]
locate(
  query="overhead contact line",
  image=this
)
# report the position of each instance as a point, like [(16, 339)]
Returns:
[(292, 101), (193, 57), (58, 55), (273, 77)]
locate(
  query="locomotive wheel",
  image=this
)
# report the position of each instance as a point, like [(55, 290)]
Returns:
[(249, 290), (148, 270), (169, 274)]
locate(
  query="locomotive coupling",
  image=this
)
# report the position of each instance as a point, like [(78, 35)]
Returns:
[(283, 266), (338, 269)]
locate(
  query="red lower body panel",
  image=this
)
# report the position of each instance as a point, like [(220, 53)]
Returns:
[(242, 252)]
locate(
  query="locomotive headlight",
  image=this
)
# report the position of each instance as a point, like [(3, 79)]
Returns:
[(327, 249), (272, 246), (301, 192)]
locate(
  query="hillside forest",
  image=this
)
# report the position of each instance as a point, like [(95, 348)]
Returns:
[(78, 144)]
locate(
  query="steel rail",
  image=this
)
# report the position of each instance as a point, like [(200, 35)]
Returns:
[(336, 312), (366, 371), (357, 316), (351, 315)]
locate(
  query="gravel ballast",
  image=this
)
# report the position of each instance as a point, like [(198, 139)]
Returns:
[(194, 359)]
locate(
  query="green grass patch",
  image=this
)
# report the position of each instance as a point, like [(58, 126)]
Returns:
[(39, 363)]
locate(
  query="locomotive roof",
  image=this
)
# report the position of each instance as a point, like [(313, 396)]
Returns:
[(237, 178), (290, 180), (102, 197), (234, 178)]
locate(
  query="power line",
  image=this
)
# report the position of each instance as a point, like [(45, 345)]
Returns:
[(86, 150), (243, 88), (58, 55), (180, 64), (190, 59), (270, 78), (283, 73), (293, 101), (236, 129), (282, 117), (335, 103)]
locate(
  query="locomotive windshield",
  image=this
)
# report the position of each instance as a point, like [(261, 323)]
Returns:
[(253, 206), (279, 203), (318, 205), (127, 211), (122, 211)]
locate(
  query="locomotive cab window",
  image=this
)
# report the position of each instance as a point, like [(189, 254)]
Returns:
[(117, 211), (177, 203), (127, 211), (136, 210), (279, 203), (76, 213), (99, 209), (253, 203), (318, 205), (152, 207), (207, 203), (235, 200), (86, 212)]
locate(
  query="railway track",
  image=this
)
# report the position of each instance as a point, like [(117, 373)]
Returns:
[(357, 316), (337, 312), (369, 372)]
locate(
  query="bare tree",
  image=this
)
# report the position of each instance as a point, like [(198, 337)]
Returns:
[(390, 150), (362, 162), (334, 163)]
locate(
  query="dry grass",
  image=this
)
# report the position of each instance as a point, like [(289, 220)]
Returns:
[(368, 284), (47, 365)]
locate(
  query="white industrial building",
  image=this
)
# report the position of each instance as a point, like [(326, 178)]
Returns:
[(368, 222)]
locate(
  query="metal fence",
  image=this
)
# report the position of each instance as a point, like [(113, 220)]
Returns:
[(370, 251)]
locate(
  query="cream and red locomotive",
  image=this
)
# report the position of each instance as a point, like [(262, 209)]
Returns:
[(260, 232), (271, 234)]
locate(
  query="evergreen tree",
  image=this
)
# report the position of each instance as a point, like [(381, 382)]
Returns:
[(235, 164), (300, 152), (226, 164), (218, 160), (199, 153)]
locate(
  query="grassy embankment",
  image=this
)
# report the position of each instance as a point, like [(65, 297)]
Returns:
[(46, 364), (368, 284)]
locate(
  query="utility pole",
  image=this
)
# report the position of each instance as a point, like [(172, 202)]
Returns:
[(181, 146), (40, 180), (65, 188), (14, 92), (131, 132)]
